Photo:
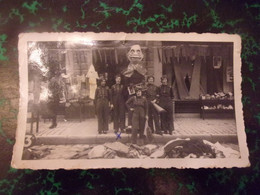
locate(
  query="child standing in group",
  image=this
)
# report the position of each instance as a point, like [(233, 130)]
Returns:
[(138, 104)]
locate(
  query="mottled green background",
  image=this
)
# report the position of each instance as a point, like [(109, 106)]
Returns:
[(213, 16)]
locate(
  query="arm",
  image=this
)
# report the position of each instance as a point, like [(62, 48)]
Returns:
[(157, 95), (95, 99), (145, 107), (129, 102), (111, 95), (171, 93)]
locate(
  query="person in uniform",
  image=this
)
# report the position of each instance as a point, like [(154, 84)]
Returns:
[(102, 101), (118, 104), (152, 94), (166, 102), (138, 104), (56, 88)]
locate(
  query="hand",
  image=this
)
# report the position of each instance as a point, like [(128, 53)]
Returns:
[(111, 106), (146, 117), (131, 109)]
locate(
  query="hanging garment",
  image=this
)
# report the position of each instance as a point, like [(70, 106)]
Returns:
[(100, 55), (116, 56), (177, 52), (195, 81), (164, 59), (94, 56), (168, 53), (159, 55), (105, 55), (92, 75), (182, 89)]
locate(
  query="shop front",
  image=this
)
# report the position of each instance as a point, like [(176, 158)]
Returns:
[(197, 71)]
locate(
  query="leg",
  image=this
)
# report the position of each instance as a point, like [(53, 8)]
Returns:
[(134, 136), (99, 116), (164, 122), (130, 117), (156, 121), (53, 108), (150, 116), (106, 116), (135, 122), (170, 117), (122, 116), (142, 123), (116, 117)]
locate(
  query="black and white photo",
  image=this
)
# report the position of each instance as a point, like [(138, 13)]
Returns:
[(113, 100)]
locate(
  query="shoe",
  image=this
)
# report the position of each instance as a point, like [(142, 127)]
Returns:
[(170, 133), (99, 132), (128, 131), (53, 126)]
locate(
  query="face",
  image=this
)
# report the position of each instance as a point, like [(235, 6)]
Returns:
[(118, 80), (164, 81), (103, 83), (135, 54), (150, 80), (139, 93)]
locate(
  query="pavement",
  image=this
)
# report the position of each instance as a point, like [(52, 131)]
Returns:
[(85, 132)]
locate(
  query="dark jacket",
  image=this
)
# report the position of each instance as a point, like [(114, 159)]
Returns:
[(135, 102)]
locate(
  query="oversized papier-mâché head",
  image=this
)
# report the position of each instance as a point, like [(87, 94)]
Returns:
[(135, 54)]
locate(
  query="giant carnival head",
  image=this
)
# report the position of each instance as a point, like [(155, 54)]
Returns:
[(135, 54)]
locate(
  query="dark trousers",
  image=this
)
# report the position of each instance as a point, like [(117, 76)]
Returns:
[(53, 106), (119, 115), (130, 117), (153, 116), (167, 117), (102, 109), (138, 122)]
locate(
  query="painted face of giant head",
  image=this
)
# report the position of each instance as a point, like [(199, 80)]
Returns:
[(135, 54)]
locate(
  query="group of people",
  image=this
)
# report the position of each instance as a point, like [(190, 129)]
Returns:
[(139, 101), (140, 106)]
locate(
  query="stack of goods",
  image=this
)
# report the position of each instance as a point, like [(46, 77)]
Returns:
[(219, 105)]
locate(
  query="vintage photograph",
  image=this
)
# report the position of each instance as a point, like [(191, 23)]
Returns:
[(113, 100)]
